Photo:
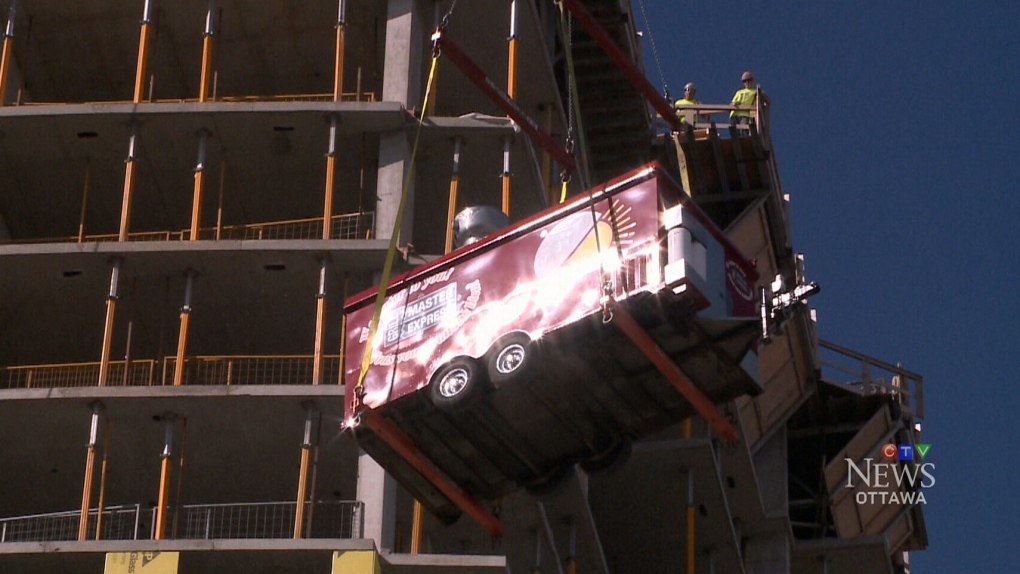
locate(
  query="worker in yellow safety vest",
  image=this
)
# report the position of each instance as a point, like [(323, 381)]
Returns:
[(688, 100), (744, 99)]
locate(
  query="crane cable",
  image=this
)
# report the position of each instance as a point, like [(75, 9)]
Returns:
[(574, 107), (655, 52), (380, 297)]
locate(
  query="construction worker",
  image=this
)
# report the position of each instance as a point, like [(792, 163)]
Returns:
[(745, 100), (688, 100)]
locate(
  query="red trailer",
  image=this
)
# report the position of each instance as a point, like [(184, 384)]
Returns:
[(555, 341)]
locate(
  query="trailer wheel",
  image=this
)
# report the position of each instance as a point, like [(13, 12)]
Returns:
[(511, 359), (457, 385)]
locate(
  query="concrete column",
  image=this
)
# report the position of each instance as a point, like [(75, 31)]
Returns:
[(378, 491), (402, 82)]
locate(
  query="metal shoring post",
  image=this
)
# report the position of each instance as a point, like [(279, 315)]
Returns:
[(511, 90), (219, 205), (129, 184), (196, 202), (306, 447), (451, 211), (5, 55), (182, 338), (572, 548), (507, 143), (90, 460), (343, 331), (102, 480), (338, 60), (327, 201), (111, 308), (320, 323), (84, 199), (166, 465), (207, 46), (143, 52)]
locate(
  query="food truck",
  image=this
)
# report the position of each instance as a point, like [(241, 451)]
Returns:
[(511, 359)]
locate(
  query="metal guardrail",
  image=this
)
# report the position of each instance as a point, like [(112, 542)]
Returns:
[(137, 373), (251, 370), (201, 370), (324, 519), (344, 226), (118, 523), (323, 97), (869, 376)]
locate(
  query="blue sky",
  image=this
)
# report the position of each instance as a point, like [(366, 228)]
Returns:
[(895, 126)]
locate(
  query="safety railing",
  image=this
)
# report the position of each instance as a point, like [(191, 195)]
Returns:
[(344, 226), (251, 370), (359, 96), (323, 519), (115, 523), (198, 370), (138, 373), (870, 376)]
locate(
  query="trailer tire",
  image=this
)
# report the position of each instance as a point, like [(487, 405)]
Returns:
[(511, 359), (457, 385)]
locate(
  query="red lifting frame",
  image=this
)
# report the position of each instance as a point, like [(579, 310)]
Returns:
[(404, 446), (623, 62), (630, 327), (502, 99)]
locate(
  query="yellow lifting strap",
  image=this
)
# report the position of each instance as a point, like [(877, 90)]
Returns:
[(366, 359)]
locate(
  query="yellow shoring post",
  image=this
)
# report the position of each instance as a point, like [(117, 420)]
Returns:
[(207, 52), (306, 448), (511, 90), (196, 202), (182, 338), (129, 184), (507, 143), (327, 202), (165, 467), (320, 324), (451, 211), (5, 55), (338, 60), (143, 53), (315, 472), (111, 308), (90, 460), (84, 200), (102, 480)]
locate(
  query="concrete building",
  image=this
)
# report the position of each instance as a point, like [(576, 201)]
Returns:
[(188, 192)]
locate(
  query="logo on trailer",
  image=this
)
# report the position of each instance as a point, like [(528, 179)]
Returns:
[(738, 279)]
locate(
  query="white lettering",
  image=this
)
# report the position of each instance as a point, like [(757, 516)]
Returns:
[(851, 466), (881, 476), (924, 471)]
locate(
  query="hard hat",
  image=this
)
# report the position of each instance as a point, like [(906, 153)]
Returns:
[(690, 86), (746, 76)]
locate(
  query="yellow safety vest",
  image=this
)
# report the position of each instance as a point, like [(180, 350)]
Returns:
[(745, 99), (685, 102)]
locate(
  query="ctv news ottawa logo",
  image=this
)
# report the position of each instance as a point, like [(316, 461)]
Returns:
[(899, 477)]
